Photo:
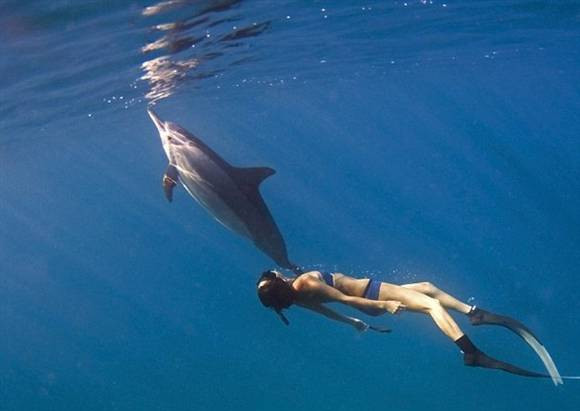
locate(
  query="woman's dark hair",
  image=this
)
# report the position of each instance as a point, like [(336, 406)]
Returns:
[(275, 293)]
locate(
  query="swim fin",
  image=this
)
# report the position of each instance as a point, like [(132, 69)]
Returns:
[(477, 316), (473, 357), (481, 359)]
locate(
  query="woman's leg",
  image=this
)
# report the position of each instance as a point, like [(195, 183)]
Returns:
[(412, 300), (421, 302), (417, 301), (445, 299)]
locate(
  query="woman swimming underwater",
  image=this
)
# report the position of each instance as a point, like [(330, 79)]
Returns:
[(311, 290)]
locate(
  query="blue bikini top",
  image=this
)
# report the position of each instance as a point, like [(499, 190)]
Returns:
[(328, 278)]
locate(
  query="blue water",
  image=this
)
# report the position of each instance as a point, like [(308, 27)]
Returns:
[(426, 140)]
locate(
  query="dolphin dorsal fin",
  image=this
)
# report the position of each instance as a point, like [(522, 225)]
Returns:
[(252, 176), (249, 179)]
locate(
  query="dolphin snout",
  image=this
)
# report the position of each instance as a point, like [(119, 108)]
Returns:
[(158, 122)]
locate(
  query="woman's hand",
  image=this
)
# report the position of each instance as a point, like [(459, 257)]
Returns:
[(394, 307), (360, 325)]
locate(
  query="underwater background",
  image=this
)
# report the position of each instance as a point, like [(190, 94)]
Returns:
[(413, 141)]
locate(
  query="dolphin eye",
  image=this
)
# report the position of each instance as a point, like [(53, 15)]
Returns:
[(169, 138)]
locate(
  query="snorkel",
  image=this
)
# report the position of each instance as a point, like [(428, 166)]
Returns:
[(282, 317)]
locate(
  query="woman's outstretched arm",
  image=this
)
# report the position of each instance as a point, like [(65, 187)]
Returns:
[(325, 293), (358, 324)]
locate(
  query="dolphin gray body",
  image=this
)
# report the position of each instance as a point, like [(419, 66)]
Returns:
[(230, 194)]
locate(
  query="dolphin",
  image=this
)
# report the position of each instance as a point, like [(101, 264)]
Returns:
[(230, 194)]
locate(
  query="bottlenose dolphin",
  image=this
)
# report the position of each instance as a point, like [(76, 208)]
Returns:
[(230, 194)]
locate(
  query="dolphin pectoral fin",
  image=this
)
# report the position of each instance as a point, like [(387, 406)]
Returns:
[(168, 185), (252, 176), (170, 179)]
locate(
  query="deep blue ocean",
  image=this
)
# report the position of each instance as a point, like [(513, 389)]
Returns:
[(413, 141)]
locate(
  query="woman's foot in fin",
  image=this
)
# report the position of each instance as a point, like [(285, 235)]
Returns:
[(481, 359), (473, 357), (477, 316)]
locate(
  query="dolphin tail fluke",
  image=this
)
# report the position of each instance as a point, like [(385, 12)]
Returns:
[(170, 179), (283, 262)]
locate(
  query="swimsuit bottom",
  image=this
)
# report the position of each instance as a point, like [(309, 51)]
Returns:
[(371, 291)]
